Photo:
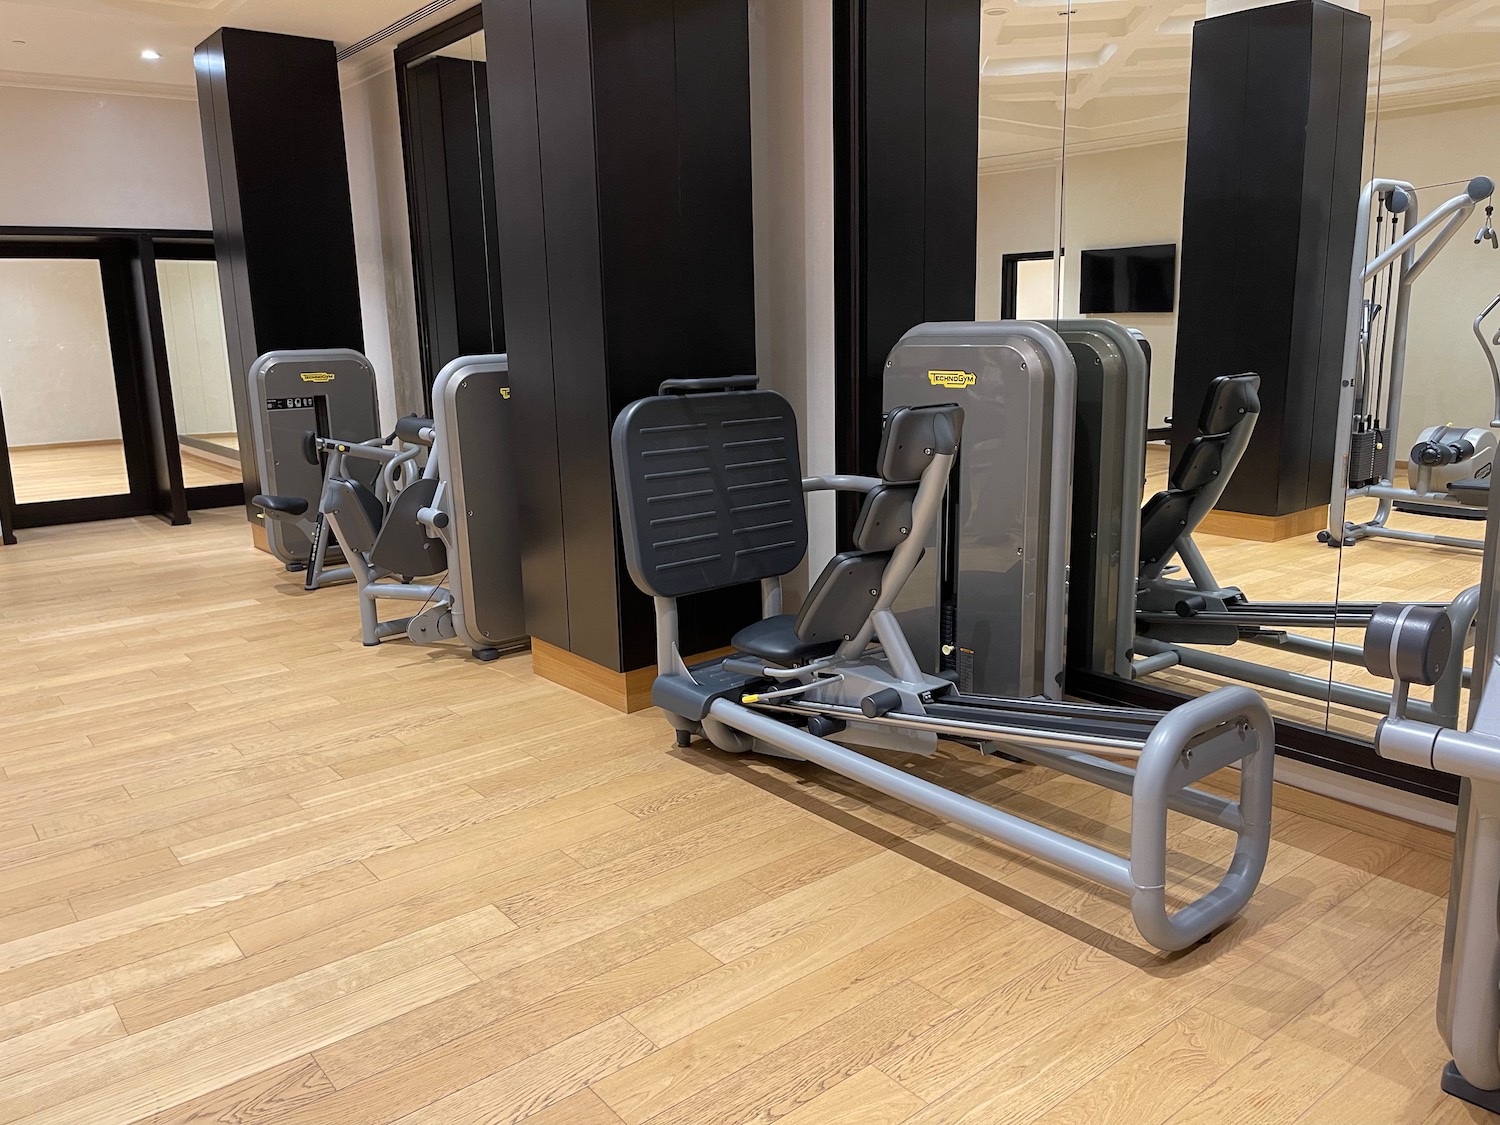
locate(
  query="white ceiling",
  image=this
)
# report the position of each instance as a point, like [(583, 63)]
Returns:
[(1126, 67), (97, 44)]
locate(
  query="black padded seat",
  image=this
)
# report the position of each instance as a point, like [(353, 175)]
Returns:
[(775, 641), (282, 505)]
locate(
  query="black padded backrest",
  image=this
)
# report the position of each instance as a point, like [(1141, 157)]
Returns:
[(1200, 463), (843, 597), (1230, 398), (885, 517), (912, 435), (709, 489), (403, 545), (1163, 520), (356, 511)]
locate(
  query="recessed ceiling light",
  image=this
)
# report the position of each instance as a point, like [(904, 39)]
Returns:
[(149, 55), (995, 10), (19, 42)]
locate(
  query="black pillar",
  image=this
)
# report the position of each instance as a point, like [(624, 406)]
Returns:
[(278, 185), (906, 152), (622, 153), (1275, 144), (451, 189)]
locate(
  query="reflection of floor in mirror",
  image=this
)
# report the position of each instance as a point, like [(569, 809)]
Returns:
[(70, 472), (1302, 569)]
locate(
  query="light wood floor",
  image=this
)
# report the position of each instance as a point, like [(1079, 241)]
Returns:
[(252, 872), (68, 472), (1302, 569)]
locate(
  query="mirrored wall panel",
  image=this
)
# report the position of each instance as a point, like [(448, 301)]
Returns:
[(57, 381), (450, 176), (198, 359)]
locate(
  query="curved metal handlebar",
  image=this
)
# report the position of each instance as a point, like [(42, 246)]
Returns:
[(1487, 347)]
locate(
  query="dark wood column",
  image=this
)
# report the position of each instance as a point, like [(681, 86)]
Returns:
[(906, 153), (622, 156), (1275, 145), (278, 185)]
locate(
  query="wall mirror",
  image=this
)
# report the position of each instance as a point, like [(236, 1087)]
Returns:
[(442, 83)]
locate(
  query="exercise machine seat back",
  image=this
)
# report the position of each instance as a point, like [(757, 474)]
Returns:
[(1201, 473), (403, 545), (354, 511)]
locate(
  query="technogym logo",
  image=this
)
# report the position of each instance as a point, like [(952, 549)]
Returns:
[(953, 380), (317, 376)]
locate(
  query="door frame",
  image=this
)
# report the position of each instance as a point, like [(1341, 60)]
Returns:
[(1010, 277), (126, 260)]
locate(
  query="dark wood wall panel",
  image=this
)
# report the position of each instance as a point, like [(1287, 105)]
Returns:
[(622, 151), (278, 178)]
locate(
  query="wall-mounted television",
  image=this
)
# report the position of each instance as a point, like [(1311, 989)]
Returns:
[(1128, 279)]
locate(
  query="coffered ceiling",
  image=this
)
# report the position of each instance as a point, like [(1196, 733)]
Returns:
[(1115, 72)]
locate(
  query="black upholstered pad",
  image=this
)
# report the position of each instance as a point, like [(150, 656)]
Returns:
[(282, 505), (710, 489), (1200, 463), (1230, 398), (1163, 520), (775, 641)]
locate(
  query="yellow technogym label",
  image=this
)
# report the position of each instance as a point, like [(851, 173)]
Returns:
[(317, 376), (505, 392), (954, 380)]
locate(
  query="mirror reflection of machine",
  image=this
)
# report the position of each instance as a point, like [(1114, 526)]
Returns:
[(1448, 467)]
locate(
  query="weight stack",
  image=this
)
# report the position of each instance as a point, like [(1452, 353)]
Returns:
[(1361, 458)]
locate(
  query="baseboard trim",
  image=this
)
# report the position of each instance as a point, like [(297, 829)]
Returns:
[(1264, 529), (624, 691)]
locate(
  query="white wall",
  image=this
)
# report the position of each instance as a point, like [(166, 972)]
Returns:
[(1134, 196), (791, 92), (56, 377), (382, 240), (100, 160)]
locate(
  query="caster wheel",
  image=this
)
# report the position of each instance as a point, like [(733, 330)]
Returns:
[(1324, 537)]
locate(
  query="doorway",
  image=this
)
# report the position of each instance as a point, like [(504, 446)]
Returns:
[(97, 330), (1028, 286)]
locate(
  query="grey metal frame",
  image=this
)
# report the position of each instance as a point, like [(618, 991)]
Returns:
[(1469, 985), (1409, 259), (475, 520)]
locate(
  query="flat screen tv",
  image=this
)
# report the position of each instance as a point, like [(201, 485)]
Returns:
[(1128, 279)]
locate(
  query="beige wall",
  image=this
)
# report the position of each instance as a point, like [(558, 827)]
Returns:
[(99, 160), (791, 91), (382, 240)]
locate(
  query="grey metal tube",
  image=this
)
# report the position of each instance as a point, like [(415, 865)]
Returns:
[(840, 482), (1279, 679), (1197, 565), (1071, 855), (986, 732), (1148, 818), (1059, 526), (1375, 530), (1489, 355), (1195, 803)]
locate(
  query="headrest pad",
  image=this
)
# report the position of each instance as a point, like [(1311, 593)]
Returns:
[(1230, 398), (912, 436)]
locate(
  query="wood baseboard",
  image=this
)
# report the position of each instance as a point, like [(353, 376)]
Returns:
[(258, 536), (1264, 529), (624, 691)]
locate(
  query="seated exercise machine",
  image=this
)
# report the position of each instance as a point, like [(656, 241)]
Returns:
[(1044, 399), (443, 502), (710, 491), (291, 393), (1411, 646), (1448, 467)]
